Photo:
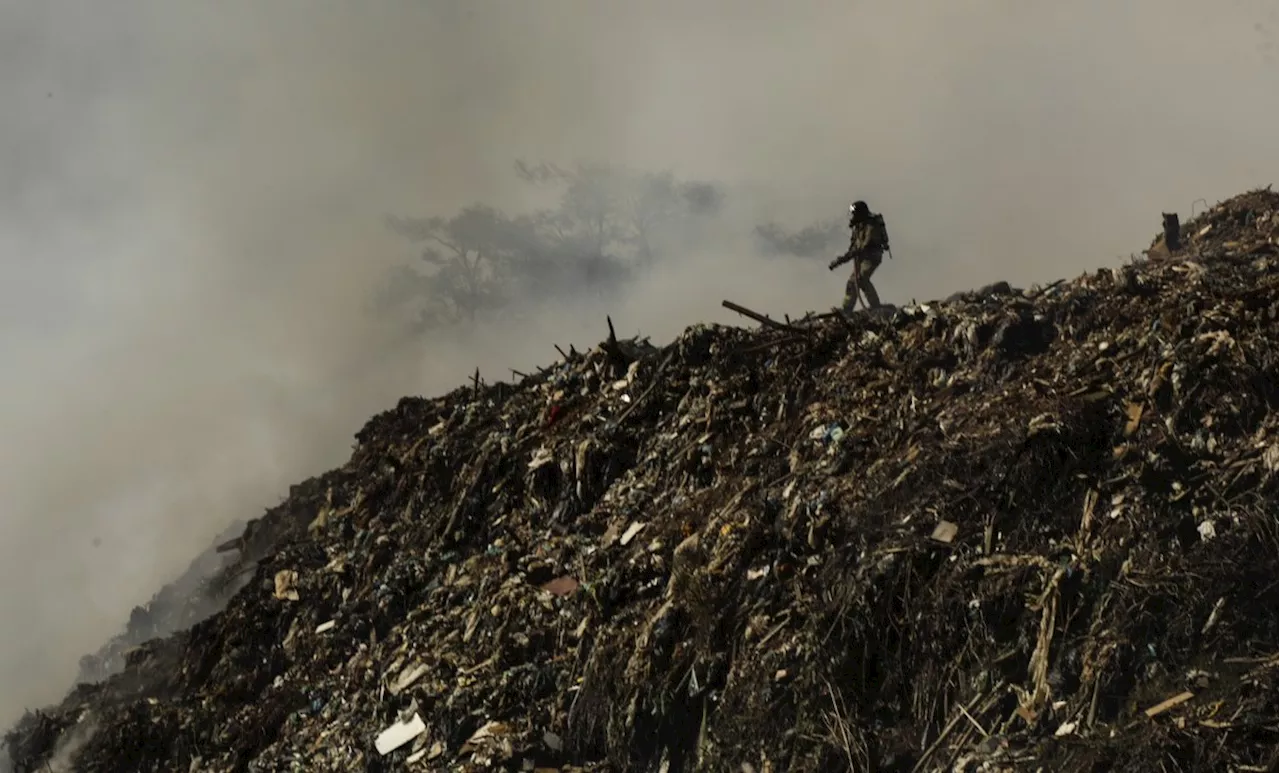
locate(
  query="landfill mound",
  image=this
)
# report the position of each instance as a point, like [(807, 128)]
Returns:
[(1015, 530)]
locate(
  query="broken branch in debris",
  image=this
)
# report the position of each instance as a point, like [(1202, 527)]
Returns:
[(761, 318), (617, 358), (775, 342)]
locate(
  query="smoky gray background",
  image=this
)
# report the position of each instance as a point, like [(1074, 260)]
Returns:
[(193, 198)]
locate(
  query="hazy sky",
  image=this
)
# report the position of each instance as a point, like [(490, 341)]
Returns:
[(192, 197)]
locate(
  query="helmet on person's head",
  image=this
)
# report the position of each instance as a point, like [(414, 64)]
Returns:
[(858, 209)]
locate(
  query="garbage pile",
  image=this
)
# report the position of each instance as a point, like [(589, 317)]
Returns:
[(1028, 529)]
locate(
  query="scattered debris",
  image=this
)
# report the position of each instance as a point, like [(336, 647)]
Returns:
[(561, 586), (411, 674), (286, 585), (1165, 705), (945, 531), (399, 734), (630, 534)]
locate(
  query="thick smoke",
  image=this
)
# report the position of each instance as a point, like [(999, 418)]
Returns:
[(193, 200)]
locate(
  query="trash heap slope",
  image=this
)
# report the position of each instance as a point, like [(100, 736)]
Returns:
[(1028, 528)]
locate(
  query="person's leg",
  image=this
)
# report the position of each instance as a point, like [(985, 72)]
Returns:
[(851, 293), (869, 292), (867, 267)]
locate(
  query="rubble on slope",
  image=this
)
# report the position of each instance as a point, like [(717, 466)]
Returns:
[(179, 605), (1243, 225), (1016, 529)]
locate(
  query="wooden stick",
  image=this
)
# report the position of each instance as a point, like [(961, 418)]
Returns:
[(774, 342), (761, 318), (616, 358)]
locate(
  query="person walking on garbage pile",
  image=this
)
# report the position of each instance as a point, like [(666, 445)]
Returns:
[(867, 245)]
